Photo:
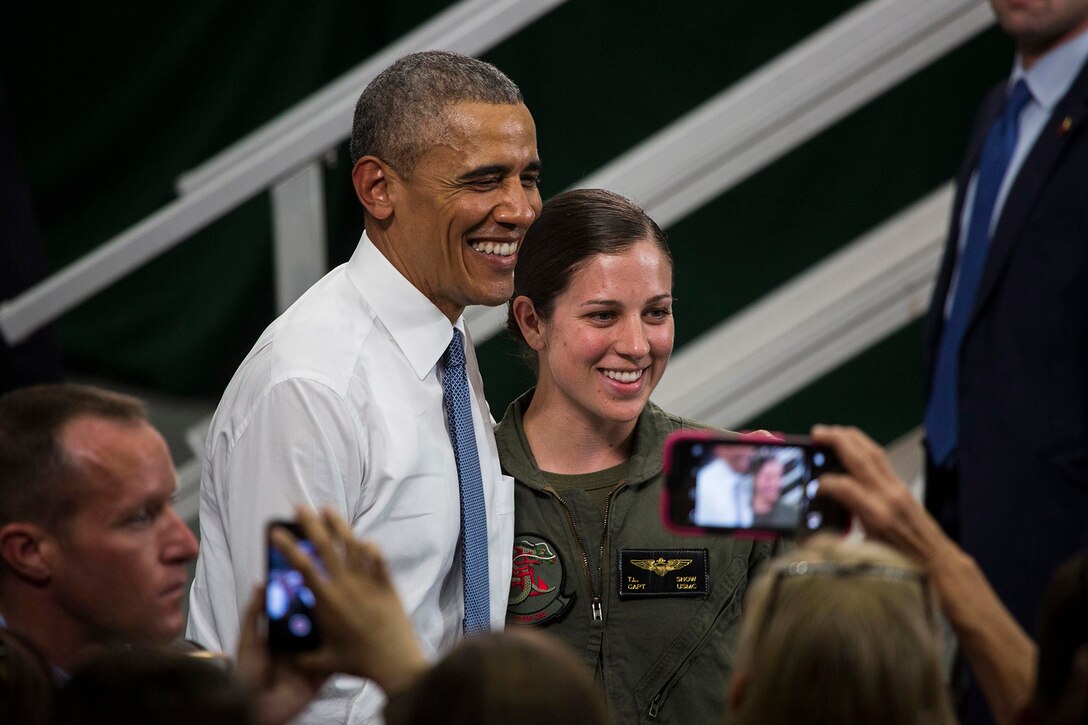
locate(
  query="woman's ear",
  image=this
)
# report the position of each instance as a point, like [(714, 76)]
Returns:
[(369, 176), (529, 322)]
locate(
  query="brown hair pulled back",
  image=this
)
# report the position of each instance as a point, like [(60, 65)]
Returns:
[(572, 229)]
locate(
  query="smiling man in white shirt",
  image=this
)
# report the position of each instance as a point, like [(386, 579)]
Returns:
[(340, 402)]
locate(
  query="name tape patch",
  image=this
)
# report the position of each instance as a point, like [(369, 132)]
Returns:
[(664, 572)]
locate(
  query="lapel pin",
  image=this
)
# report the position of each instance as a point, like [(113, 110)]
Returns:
[(1066, 125)]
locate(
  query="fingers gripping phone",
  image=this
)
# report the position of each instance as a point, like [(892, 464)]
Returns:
[(289, 603), (748, 485)]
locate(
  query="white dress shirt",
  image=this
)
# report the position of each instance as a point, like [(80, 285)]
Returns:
[(722, 496), (339, 404)]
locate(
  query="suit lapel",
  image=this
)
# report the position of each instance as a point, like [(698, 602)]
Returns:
[(1032, 177)]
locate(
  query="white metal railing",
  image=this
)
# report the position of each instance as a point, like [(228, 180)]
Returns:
[(789, 100), (697, 158), (778, 107), (273, 154), (747, 363), (810, 325)]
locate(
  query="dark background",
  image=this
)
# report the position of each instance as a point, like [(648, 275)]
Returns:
[(110, 102)]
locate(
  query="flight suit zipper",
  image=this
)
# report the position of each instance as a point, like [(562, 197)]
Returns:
[(595, 592)]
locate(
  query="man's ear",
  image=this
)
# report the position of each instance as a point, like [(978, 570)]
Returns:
[(22, 547), (736, 690), (529, 322), (369, 176)]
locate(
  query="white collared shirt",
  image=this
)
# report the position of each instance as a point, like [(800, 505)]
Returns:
[(339, 404), (721, 496)]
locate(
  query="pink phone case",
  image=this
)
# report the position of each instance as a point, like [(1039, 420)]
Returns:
[(687, 435)]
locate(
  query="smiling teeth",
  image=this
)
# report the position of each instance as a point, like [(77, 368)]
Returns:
[(622, 376), (500, 250)]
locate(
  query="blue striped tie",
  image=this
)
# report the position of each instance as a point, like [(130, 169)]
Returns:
[(942, 411), (458, 404)]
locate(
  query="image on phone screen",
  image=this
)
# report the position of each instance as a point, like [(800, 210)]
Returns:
[(737, 485), (289, 603), (745, 486)]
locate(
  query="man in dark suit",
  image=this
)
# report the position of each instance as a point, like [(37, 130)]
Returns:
[(1007, 331)]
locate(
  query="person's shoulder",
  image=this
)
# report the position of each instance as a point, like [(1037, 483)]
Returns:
[(283, 404), (321, 336), (313, 348), (673, 422), (514, 454), (511, 419)]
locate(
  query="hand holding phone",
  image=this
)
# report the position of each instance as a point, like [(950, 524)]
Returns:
[(751, 485), (289, 603), (365, 629)]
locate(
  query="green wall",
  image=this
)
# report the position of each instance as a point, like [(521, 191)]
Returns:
[(113, 103)]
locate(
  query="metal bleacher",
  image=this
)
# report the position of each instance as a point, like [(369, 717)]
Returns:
[(796, 333)]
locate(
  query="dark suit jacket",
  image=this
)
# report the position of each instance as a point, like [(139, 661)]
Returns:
[(1019, 501)]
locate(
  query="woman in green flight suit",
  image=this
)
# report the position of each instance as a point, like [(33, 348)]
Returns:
[(653, 614)]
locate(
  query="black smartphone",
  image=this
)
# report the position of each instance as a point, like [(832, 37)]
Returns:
[(288, 602), (748, 485)]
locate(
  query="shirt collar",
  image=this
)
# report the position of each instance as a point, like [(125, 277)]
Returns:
[(1052, 75), (418, 328), (59, 676)]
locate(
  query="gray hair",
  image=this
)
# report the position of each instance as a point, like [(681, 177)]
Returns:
[(401, 112)]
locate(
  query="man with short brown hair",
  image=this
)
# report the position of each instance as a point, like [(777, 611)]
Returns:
[(90, 549)]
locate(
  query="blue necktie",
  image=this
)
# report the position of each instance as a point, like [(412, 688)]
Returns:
[(458, 404), (942, 410)]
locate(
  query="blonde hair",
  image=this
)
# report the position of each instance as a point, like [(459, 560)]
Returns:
[(841, 633)]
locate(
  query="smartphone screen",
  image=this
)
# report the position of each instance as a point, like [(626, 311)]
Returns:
[(740, 485), (289, 603)]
